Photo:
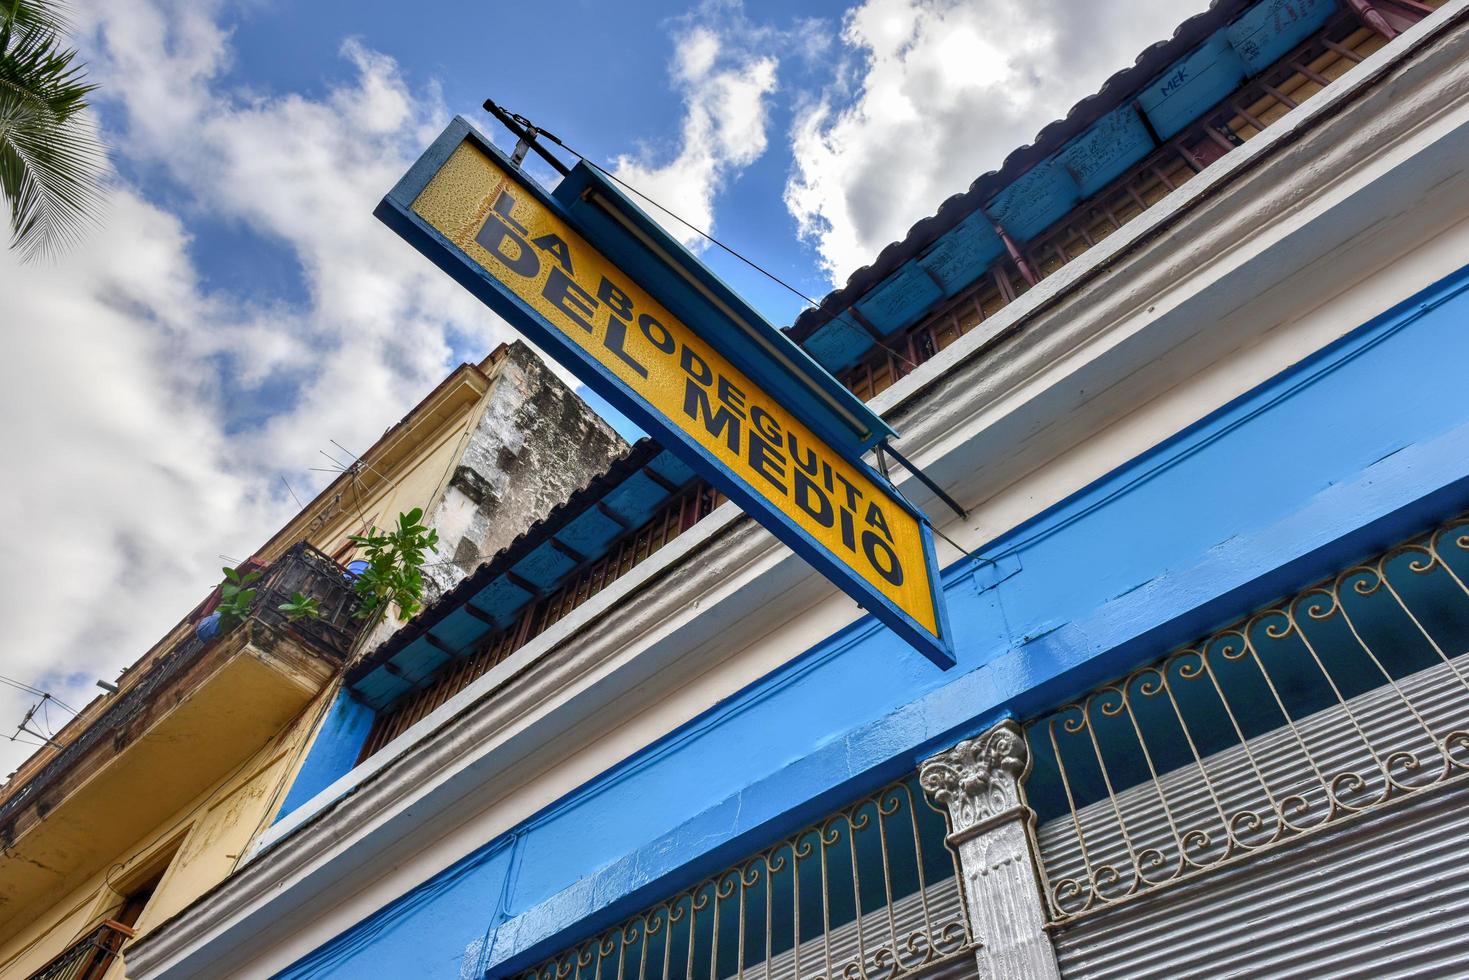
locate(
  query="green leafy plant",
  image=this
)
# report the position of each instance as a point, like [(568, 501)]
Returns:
[(235, 597), (301, 606), (393, 576)]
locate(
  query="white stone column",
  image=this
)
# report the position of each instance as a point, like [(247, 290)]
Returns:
[(978, 783)]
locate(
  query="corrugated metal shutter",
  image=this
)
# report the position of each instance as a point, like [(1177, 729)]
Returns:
[(901, 927), (1385, 894)]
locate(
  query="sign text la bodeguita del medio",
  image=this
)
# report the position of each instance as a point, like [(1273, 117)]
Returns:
[(473, 211)]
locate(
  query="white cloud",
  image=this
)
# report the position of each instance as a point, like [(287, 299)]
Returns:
[(120, 490), (725, 84), (130, 468), (133, 466), (932, 93)]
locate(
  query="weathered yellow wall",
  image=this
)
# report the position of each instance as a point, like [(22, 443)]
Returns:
[(207, 838), (408, 468), (415, 484)]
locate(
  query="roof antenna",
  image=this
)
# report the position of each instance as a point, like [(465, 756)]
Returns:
[(25, 722)]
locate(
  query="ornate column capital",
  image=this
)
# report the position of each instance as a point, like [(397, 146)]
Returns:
[(978, 783), (978, 780)]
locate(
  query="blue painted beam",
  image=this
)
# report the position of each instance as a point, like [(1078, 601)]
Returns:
[(1192, 85), (1034, 202), (334, 750), (1105, 151), (1268, 31)]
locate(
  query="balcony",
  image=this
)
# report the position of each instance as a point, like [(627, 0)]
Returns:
[(89, 957), (202, 705)]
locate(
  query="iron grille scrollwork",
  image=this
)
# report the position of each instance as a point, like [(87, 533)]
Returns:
[(1335, 702), (306, 570), (89, 957), (870, 892)]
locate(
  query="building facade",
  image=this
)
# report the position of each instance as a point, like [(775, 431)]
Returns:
[(1190, 363), (155, 791)]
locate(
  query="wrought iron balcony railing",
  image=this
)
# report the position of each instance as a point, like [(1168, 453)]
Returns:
[(89, 957), (306, 570), (301, 569)]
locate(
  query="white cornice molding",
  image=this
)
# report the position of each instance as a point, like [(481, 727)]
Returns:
[(1325, 171)]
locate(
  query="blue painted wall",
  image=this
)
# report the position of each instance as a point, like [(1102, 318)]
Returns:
[(334, 751), (423, 934), (1342, 454)]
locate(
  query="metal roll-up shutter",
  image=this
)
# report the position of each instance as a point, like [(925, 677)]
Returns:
[(1385, 896), (1287, 797)]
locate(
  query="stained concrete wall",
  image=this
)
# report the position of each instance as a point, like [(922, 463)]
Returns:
[(534, 444), (531, 443)]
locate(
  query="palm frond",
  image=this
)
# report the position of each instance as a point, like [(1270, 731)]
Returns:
[(51, 165)]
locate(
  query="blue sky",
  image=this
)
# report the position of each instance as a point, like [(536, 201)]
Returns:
[(599, 80), (237, 308)]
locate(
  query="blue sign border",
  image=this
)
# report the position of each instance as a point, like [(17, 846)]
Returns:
[(395, 211), (690, 290)]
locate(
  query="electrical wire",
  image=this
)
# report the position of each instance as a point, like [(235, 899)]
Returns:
[(671, 213), (358, 459), (699, 231), (21, 685), (354, 471), (292, 493), (31, 689), (367, 524)]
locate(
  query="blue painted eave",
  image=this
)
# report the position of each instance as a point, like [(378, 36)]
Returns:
[(576, 533), (1173, 82)]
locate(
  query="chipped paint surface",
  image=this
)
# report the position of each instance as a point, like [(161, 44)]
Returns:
[(534, 444)]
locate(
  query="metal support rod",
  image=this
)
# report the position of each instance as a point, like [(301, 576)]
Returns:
[(922, 478), (45, 738), (852, 421), (1371, 17), (526, 134)]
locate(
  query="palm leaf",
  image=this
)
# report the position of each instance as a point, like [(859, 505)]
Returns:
[(51, 165)]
